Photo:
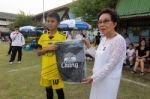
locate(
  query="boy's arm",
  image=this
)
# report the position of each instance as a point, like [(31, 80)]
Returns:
[(42, 51), (134, 53), (13, 35)]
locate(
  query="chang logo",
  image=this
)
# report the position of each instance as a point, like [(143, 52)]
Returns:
[(69, 58), (70, 61)]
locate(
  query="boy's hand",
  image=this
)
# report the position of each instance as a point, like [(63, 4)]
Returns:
[(51, 48)]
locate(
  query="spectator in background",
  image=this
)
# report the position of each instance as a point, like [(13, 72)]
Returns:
[(0, 36), (141, 54), (10, 47), (80, 35), (97, 38), (45, 30), (131, 54), (128, 41), (69, 37), (3, 38), (34, 44), (17, 42), (91, 38)]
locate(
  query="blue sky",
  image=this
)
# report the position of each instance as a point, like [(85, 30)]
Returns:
[(29, 6)]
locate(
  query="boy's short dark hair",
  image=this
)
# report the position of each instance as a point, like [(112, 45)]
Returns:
[(54, 15), (131, 44), (16, 27), (111, 12)]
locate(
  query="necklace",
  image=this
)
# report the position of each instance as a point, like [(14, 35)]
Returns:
[(107, 41), (105, 44)]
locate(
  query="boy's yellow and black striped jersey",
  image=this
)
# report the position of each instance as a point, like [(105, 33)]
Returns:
[(49, 63)]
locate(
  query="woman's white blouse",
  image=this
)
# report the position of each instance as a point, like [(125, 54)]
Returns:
[(108, 56), (107, 69)]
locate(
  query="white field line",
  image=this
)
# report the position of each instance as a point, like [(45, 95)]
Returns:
[(135, 82), (124, 79), (131, 81), (22, 69), (1, 55)]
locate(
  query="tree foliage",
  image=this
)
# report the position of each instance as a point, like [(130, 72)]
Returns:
[(89, 9), (22, 20)]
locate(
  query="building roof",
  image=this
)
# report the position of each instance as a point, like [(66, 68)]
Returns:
[(133, 8), (10, 16), (56, 9)]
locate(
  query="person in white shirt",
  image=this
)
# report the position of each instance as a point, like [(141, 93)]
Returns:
[(80, 35), (128, 41), (17, 43), (10, 47), (68, 35), (131, 54), (109, 58)]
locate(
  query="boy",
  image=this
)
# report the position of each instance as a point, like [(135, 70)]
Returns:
[(50, 77), (131, 54), (17, 43)]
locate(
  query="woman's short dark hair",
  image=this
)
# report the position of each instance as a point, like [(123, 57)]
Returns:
[(111, 12), (54, 15), (143, 39)]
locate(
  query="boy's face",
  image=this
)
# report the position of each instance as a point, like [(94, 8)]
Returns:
[(17, 30), (52, 23), (130, 47)]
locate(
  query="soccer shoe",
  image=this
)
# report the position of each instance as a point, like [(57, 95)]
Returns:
[(10, 63), (19, 62)]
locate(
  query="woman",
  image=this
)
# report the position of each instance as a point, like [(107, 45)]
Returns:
[(109, 58), (141, 54)]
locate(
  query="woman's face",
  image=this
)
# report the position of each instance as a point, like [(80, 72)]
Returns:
[(143, 43), (105, 24), (52, 23)]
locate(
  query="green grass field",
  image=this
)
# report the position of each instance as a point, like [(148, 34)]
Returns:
[(21, 81)]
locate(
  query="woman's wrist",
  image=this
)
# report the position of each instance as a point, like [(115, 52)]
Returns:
[(144, 56), (92, 77)]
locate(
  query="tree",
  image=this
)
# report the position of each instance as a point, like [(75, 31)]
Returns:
[(89, 9), (22, 20)]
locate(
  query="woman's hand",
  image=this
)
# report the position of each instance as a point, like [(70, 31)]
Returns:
[(137, 58), (87, 43), (88, 80)]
